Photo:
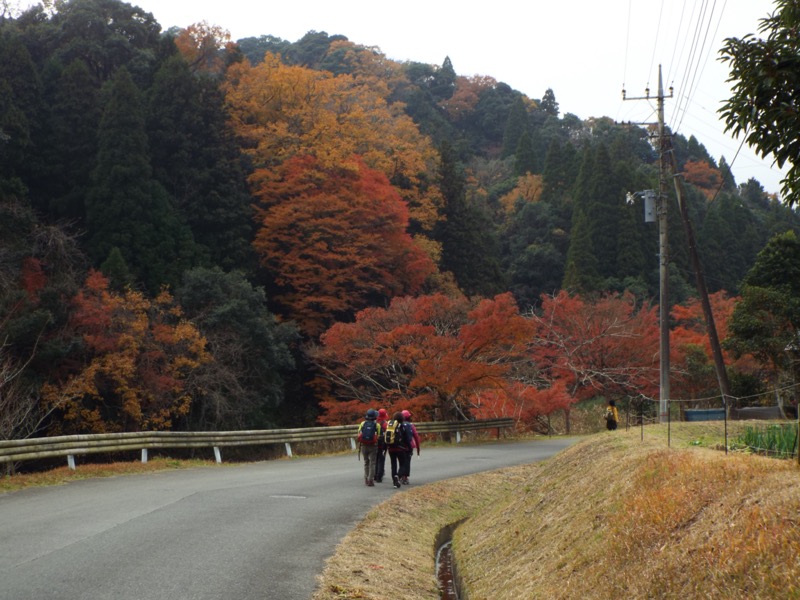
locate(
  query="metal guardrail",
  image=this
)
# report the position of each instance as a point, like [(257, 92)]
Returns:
[(76, 445)]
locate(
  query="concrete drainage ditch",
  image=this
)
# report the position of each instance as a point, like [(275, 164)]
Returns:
[(450, 587)]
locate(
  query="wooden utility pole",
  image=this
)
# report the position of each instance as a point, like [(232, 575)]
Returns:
[(663, 246)]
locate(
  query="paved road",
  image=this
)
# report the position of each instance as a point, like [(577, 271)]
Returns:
[(258, 531)]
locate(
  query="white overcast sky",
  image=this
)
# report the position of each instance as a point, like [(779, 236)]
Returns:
[(585, 50)]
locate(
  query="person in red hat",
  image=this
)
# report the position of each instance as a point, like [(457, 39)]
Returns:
[(380, 460), (415, 444)]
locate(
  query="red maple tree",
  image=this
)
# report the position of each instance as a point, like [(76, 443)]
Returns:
[(334, 240), (441, 357), (607, 347)]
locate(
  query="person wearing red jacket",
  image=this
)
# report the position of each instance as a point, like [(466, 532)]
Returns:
[(415, 445), (380, 460)]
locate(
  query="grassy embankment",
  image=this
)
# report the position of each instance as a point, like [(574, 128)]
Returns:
[(611, 517)]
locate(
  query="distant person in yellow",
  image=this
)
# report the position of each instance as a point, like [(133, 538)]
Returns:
[(611, 416)]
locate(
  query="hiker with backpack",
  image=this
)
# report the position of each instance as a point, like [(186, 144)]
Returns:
[(380, 463), (611, 416), (415, 444), (398, 442), (368, 434)]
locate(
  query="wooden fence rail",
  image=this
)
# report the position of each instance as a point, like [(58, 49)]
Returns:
[(77, 445)]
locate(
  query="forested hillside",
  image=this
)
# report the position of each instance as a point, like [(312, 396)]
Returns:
[(201, 233)]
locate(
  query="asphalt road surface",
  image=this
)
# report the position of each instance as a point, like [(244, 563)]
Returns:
[(252, 532)]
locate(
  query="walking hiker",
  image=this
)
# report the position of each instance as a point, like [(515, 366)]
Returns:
[(380, 464), (415, 444), (611, 416), (368, 433), (398, 443)]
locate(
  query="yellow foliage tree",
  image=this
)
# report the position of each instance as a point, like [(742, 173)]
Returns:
[(282, 111), (528, 188)]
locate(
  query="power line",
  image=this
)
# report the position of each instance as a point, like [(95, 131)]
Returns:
[(690, 72), (655, 42), (701, 64), (675, 48)]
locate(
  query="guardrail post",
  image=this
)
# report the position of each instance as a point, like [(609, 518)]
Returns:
[(288, 449), (458, 437), (144, 456), (71, 461), (217, 455), (353, 443)]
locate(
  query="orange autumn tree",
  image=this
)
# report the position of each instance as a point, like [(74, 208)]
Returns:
[(201, 45), (703, 176), (434, 355), (334, 240), (467, 95), (691, 360), (138, 356), (281, 111), (528, 404), (606, 347)]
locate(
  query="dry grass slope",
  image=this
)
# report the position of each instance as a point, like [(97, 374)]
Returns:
[(611, 517)]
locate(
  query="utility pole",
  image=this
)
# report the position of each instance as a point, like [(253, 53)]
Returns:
[(663, 245)]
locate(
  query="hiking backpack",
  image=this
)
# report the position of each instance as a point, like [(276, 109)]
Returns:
[(368, 433), (393, 437)]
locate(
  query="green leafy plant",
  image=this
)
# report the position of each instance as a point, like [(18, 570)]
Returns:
[(773, 440)]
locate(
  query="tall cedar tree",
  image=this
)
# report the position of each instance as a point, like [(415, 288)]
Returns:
[(549, 104), (604, 202), (558, 179), (729, 242), (470, 249), (535, 263), (20, 101), (195, 158), (126, 208), (630, 252), (581, 272), (525, 160), (444, 81), (516, 126), (74, 119)]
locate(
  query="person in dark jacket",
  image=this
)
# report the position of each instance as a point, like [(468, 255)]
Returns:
[(380, 460), (398, 448), (415, 444)]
